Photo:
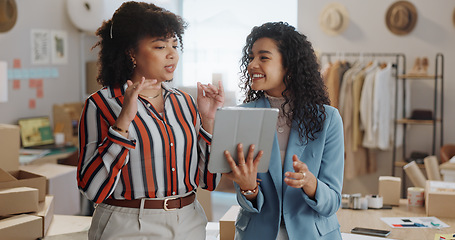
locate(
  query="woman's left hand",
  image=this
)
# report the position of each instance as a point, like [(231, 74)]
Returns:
[(209, 98), (301, 178)]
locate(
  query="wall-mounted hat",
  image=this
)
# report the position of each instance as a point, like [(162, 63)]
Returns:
[(401, 17), (8, 15), (453, 17), (334, 19)]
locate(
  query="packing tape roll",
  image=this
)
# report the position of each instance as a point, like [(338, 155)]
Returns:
[(364, 203), (374, 201)]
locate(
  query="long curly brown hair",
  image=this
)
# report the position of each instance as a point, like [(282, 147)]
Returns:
[(305, 90), (120, 35)]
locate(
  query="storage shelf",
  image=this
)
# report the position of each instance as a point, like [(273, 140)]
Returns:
[(410, 76), (437, 117), (416, 121), (401, 163)]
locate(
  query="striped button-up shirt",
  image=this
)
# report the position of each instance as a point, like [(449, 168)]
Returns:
[(164, 155)]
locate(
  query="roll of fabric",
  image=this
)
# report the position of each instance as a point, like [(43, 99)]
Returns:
[(432, 168), (414, 173), (88, 15)]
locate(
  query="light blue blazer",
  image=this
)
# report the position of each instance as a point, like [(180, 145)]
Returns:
[(305, 218)]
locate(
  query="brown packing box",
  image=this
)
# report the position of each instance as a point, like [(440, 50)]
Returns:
[(21, 227), (66, 117), (22, 178), (390, 190), (204, 197), (448, 171), (66, 227), (9, 147), (18, 200), (440, 199), (227, 223), (91, 85), (46, 212), (61, 183)]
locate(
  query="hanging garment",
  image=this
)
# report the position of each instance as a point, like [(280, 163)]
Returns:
[(356, 162)]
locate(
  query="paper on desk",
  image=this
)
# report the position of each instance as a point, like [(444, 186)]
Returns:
[(28, 155), (350, 236), (414, 222)]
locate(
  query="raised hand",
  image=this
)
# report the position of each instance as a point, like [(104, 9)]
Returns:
[(129, 108), (209, 98), (301, 178)]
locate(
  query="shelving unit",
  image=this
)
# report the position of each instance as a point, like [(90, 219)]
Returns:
[(438, 115)]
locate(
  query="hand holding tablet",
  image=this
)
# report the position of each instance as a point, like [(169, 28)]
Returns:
[(234, 125)]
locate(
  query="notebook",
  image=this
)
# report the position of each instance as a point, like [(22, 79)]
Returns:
[(248, 126), (36, 132)]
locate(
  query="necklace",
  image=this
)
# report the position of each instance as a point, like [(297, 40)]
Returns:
[(152, 97), (276, 102)]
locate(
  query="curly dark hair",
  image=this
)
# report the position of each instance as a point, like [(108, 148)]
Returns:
[(305, 90), (120, 35)]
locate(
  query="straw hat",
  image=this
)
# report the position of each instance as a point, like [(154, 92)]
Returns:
[(401, 17), (8, 15), (453, 17), (334, 19)]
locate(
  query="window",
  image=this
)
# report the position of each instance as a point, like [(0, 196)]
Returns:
[(216, 34)]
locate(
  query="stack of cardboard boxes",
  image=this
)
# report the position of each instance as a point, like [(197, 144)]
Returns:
[(25, 210)]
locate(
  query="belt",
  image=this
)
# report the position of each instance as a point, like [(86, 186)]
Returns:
[(166, 204)]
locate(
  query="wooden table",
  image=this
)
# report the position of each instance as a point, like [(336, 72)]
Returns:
[(370, 218)]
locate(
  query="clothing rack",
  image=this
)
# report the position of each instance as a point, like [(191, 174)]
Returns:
[(397, 57), (399, 64)]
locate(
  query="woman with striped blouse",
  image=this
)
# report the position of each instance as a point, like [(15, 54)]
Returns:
[(144, 146)]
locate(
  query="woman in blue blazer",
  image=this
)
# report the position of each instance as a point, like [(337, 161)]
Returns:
[(300, 194)]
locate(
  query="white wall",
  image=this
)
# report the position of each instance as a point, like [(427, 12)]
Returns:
[(367, 32), (15, 44), (67, 87)]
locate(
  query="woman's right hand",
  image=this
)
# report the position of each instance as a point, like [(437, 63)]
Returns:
[(129, 108), (245, 172)]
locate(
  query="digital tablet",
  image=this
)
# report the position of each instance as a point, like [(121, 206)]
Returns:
[(234, 125)]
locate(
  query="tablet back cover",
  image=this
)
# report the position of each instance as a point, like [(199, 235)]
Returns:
[(234, 125)]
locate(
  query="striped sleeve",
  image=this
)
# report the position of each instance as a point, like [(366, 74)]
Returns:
[(103, 152), (207, 180)]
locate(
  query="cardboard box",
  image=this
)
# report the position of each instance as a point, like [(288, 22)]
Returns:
[(21, 178), (91, 73), (21, 227), (46, 212), (9, 147), (227, 223), (68, 224), (66, 119), (62, 184), (390, 190), (18, 200), (448, 171), (204, 197), (440, 199)]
